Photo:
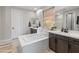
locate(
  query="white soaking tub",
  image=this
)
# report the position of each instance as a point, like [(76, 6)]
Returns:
[(34, 43)]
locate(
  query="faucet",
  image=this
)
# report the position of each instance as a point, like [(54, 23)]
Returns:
[(64, 30)]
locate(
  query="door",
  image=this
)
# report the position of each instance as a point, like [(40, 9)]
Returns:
[(52, 42), (16, 22), (62, 44), (74, 48), (73, 45)]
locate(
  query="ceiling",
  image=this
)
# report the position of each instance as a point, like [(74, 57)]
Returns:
[(32, 8)]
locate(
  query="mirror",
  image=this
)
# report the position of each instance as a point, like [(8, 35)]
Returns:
[(70, 21), (65, 20), (59, 20), (35, 22)]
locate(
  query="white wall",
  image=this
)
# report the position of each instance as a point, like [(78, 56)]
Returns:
[(7, 20), (5, 23), (2, 22), (0, 25)]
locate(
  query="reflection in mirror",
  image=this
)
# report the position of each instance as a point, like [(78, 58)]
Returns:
[(69, 21), (59, 20)]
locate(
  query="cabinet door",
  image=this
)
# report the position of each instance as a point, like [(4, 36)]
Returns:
[(74, 46), (52, 42), (62, 44)]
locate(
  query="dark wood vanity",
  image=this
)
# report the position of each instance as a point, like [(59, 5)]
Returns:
[(63, 44), (52, 42), (33, 30), (73, 45)]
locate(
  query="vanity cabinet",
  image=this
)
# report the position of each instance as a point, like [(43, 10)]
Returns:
[(33, 30), (52, 42), (73, 45), (62, 44), (58, 43)]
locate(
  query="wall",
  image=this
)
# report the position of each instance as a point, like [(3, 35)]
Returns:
[(7, 29), (0, 25), (2, 22)]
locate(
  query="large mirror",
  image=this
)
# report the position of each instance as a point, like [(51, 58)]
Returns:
[(65, 20), (68, 19), (59, 20)]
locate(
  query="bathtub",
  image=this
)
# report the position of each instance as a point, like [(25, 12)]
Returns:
[(34, 43)]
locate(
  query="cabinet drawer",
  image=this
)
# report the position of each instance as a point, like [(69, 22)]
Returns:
[(73, 45), (62, 46), (52, 44), (33, 30), (73, 48), (75, 41), (62, 37)]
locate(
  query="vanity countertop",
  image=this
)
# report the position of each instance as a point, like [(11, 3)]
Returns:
[(72, 34)]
